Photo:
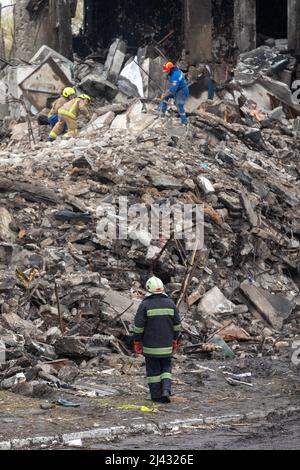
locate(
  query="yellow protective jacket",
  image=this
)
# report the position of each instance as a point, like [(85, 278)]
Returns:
[(73, 108), (57, 105)]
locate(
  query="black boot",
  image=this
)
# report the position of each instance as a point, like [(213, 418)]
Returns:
[(166, 396), (158, 400)]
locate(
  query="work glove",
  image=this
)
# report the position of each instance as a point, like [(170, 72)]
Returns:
[(164, 95), (174, 345), (138, 348)]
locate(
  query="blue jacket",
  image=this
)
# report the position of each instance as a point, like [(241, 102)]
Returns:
[(177, 82)]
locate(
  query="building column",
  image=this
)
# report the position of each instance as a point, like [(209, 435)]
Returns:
[(51, 26), (198, 30), (245, 24), (294, 26)]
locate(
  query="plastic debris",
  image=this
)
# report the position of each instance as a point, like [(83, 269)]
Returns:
[(144, 409), (66, 403)]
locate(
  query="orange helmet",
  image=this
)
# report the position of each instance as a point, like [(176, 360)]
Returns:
[(168, 67)]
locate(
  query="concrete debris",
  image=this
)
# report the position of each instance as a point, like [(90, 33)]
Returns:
[(265, 304), (115, 59), (94, 85), (215, 302), (77, 238), (261, 61)]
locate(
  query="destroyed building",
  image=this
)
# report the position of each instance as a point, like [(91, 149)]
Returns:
[(208, 30), (68, 292)]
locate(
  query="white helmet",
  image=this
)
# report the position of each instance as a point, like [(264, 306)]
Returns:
[(155, 286)]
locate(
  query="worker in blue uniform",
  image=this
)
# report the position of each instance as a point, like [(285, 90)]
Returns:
[(178, 90)]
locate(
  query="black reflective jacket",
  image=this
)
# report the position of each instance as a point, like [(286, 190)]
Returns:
[(156, 325)]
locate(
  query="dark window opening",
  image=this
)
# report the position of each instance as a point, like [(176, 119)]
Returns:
[(271, 19), (138, 22)]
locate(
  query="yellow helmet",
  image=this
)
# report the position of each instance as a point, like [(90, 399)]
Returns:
[(85, 97), (67, 92)]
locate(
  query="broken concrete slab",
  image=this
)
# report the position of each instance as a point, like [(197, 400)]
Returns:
[(137, 121), (214, 302), (281, 304), (94, 85), (6, 384), (45, 52), (280, 91), (43, 82), (162, 181), (152, 68), (115, 60), (260, 299), (261, 61), (70, 346), (19, 131), (99, 123), (195, 296), (115, 303), (120, 122), (6, 234), (17, 324)]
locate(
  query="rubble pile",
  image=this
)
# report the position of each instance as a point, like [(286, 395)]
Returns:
[(70, 284)]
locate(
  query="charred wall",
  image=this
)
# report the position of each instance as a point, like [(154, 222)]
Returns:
[(223, 29), (137, 22), (42, 22)]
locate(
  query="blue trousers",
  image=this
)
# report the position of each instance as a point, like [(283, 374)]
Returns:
[(180, 100), (211, 89), (53, 120)]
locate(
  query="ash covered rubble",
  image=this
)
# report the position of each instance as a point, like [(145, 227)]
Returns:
[(69, 293)]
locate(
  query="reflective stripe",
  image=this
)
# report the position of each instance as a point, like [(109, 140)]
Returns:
[(70, 135), (154, 380), (136, 329), (50, 115), (166, 375), (177, 327), (158, 378), (160, 311), (158, 351), (65, 112)]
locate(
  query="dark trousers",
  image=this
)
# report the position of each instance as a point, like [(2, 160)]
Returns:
[(158, 375)]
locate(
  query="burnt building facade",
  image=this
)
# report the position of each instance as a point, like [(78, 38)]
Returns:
[(207, 30)]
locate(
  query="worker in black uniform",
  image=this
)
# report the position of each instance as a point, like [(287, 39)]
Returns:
[(156, 329)]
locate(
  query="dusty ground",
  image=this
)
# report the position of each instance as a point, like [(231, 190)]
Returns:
[(276, 387)]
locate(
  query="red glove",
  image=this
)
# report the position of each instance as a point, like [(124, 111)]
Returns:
[(138, 348), (174, 345)]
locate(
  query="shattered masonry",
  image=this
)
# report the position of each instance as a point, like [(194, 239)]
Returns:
[(69, 293)]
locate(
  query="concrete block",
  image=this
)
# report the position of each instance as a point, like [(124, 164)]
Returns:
[(95, 85), (115, 60), (215, 302), (120, 122), (100, 122)]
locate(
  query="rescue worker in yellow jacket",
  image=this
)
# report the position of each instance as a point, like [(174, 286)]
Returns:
[(68, 115), (66, 95)]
